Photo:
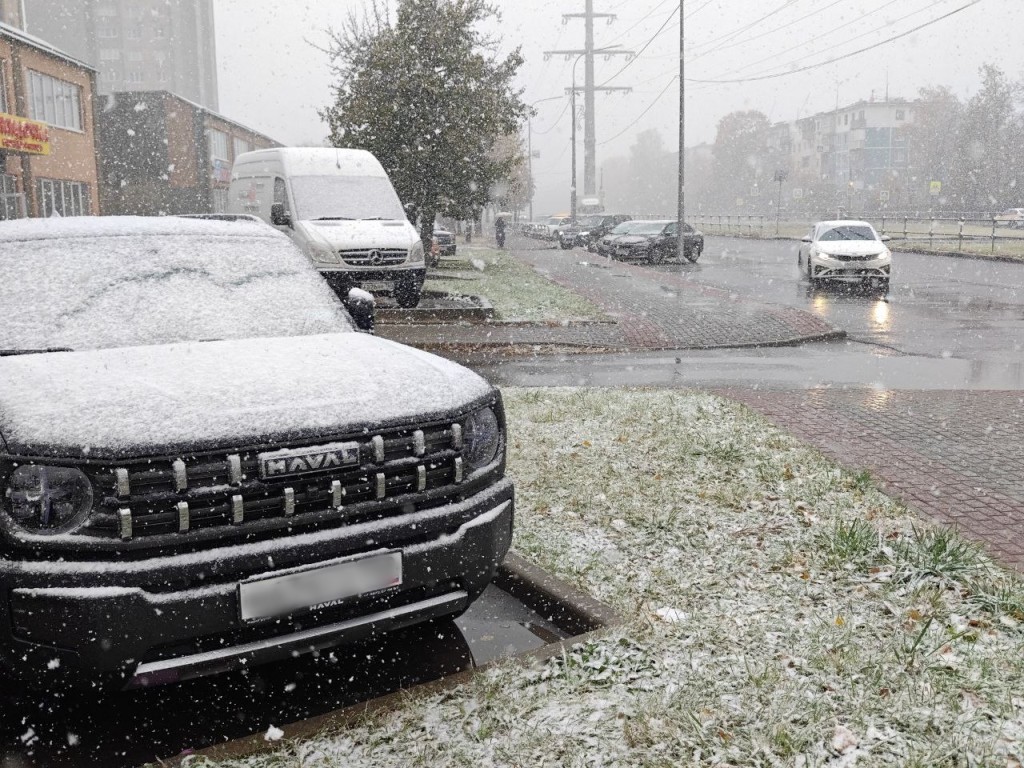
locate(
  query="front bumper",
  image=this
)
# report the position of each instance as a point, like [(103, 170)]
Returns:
[(850, 271), (129, 623), (342, 281)]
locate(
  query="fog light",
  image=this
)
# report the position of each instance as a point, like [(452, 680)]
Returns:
[(49, 500)]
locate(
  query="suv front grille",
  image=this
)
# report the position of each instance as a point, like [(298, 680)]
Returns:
[(381, 257), (176, 496)]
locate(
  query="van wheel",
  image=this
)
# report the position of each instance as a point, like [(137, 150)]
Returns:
[(407, 293)]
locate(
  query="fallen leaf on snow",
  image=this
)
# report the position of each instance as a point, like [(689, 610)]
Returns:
[(843, 740)]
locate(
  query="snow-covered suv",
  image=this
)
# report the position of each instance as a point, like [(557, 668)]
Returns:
[(203, 464)]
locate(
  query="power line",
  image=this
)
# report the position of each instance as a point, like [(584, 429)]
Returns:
[(646, 45), (775, 55), (837, 58), (650, 13), (731, 35), (792, 23), (557, 120), (642, 114)]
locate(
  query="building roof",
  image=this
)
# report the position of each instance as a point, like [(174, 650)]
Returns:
[(6, 30), (195, 105)]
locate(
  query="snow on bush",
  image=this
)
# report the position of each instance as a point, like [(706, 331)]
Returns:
[(778, 611)]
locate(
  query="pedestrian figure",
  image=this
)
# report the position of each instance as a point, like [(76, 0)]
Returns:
[(499, 231)]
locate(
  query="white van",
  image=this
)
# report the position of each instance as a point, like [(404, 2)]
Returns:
[(339, 207)]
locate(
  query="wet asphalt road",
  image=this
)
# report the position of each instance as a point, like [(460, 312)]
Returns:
[(946, 323), (129, 729)]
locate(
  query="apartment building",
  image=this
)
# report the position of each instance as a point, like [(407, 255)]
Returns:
[(135, 45)]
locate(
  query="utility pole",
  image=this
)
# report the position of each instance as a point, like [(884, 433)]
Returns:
[(681, 210), (590, 89)]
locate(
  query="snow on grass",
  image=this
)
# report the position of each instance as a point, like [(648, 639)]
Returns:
[(779, 611), (516, 291)]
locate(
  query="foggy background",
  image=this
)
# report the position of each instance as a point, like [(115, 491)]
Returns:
[(274, 79)]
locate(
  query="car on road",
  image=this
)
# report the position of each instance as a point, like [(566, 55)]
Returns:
[(549, 229), (845, 250), (1011, 217), (589, 229), (204, 466), (656, 241)]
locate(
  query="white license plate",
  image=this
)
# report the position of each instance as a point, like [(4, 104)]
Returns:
[(380, 286), (322, 586)]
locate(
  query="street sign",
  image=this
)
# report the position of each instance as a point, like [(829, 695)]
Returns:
[(883, 196), (798, 193), (935, 188)]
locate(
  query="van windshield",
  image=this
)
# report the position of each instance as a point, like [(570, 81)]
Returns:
[(345, 197)]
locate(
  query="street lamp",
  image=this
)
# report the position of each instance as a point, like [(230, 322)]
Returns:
[(529, 147)]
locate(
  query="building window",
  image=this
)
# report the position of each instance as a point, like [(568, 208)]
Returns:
[(241, 146), (110, 54), (107, 33), (218, 143), (135, 56), (55, 101), (12, 204), (63, 198), (3, 87), (133, 32), (134, 76)]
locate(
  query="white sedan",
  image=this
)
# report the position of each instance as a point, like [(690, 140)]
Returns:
[(850, 251)]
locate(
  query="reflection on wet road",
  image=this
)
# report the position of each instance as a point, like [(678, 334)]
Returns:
[(937, 306), (133, 728)]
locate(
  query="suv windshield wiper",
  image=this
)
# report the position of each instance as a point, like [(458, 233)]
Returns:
[(44, 350), (334, 218)]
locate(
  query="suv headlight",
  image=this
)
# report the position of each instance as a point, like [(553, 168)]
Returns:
[(416, 253), (483, 438), (48, 500)]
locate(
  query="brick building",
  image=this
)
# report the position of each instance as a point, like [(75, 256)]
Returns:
[(47, 130), (162, 154)]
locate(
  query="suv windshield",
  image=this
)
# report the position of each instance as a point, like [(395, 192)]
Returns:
[(345, 197), (847, 233), (648, 228), (91, 292)]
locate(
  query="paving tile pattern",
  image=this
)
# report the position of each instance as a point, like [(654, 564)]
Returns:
[(956, 457), (652, 310)]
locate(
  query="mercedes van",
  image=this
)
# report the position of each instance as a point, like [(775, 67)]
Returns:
[(339, 207)]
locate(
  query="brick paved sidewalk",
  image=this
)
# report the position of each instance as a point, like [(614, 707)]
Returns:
[(956, 457), (652, 311)]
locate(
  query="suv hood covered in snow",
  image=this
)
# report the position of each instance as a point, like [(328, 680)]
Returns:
[(160, 400)]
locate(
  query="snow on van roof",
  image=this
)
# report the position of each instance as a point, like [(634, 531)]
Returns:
[(91, 283), (316, 161)]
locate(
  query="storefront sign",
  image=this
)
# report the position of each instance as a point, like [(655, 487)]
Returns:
[(221, 171), (17, 134)]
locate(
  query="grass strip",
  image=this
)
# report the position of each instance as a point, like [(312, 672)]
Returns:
[(780, 611), (517, 292)]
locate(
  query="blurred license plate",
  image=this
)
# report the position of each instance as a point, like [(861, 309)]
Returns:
[(382, 286), (318, 587)]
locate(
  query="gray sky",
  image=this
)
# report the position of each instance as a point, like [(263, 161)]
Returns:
[(274, 79)]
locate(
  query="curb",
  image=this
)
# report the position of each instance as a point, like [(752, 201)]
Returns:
[(586, 617)]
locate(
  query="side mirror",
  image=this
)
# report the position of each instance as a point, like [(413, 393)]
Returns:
[(279, 217), (805, 239), (361, 307), (885, 238)]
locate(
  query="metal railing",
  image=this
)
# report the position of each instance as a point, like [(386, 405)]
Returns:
[(933, 232)]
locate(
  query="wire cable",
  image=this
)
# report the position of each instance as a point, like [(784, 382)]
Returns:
[(837, 58), (636, 56), (731, 35), (642, 114)]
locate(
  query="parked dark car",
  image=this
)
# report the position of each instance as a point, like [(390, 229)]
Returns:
[(589, 229), (203, 466), (656, 241), (443, 245), (604, 245)]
